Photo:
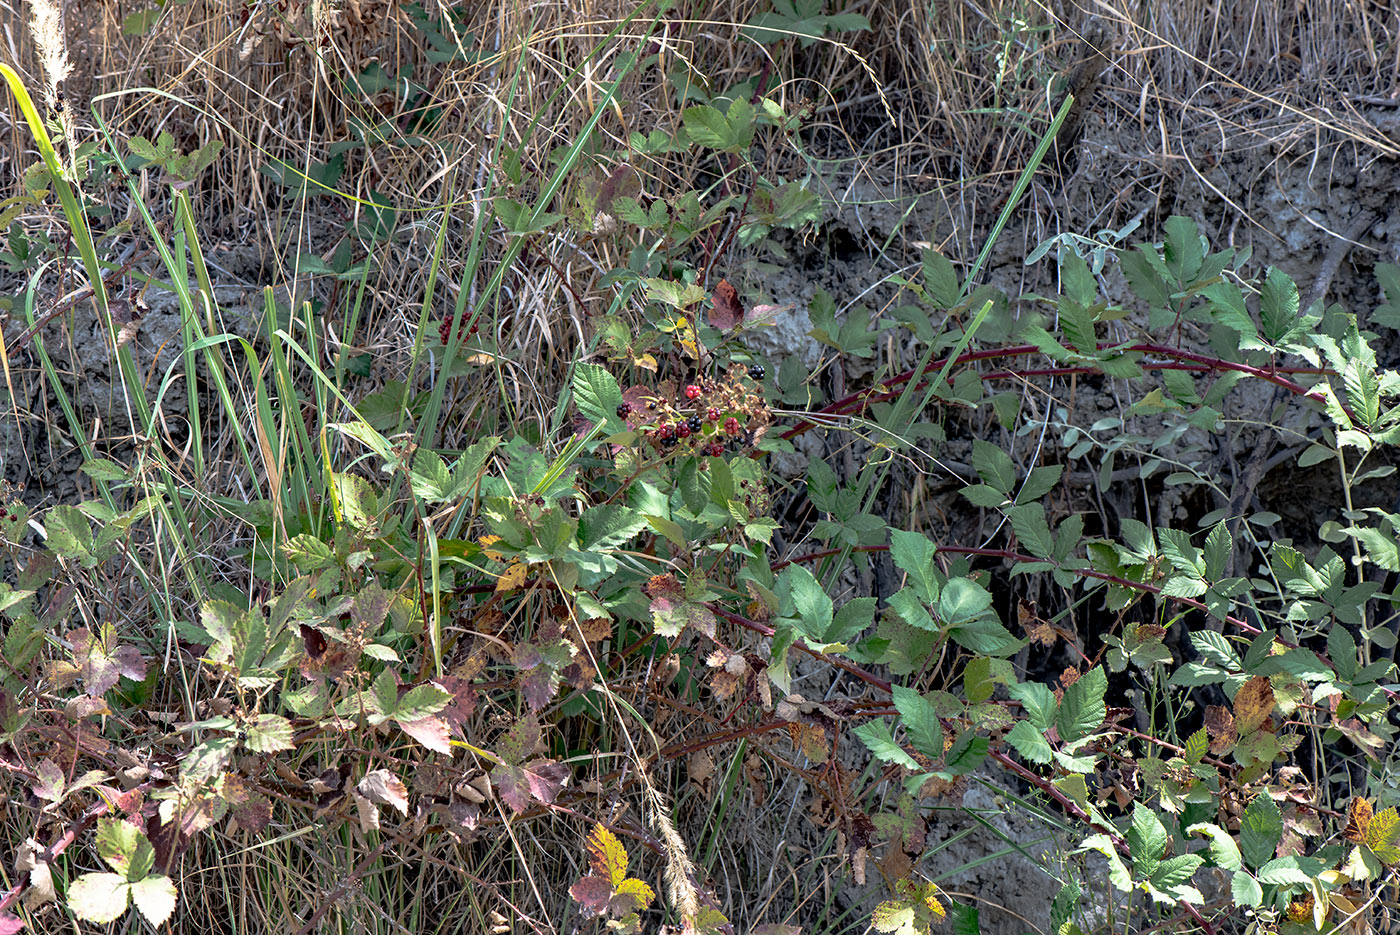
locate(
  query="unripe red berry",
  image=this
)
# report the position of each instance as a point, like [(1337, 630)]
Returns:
[(693, 392), (713, 414), (683, 429), (731, 426)]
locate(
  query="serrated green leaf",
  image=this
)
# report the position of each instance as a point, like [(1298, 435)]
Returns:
[(1246, 890), (1118, 873), (1216, 649), (597, 396), (1341, 649), (876, 736), (1147, 840), (1197, 746), (1224, 853), (1038, 701), (920, 721), (608, 526), (1261, 827), (963, 600), (966, 754), (941, 280), (988, 498), (1030, 742), (429, 477), (1032, 529), (912, 610), (1082, 708), (1039, 482), (1283, 871), (914, 554), (1278, 305), (419, 702), (708, 127), (1176, 871), (994, 466)]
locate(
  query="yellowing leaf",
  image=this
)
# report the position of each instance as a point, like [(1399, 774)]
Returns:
[(486, 542), (607, 856), (513, 577), (895, 917), (1381, 835), (1254, 702), (1359, 815), (639, 891), (99, 897)]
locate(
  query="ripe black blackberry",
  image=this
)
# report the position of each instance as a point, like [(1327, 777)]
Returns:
[(695, 423), (624, 409), (756, 371)]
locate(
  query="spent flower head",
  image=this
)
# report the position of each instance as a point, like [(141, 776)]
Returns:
[(46, 23)]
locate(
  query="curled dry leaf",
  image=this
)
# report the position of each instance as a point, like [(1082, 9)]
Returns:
[(40, 877), (367, 812), (384, 788)]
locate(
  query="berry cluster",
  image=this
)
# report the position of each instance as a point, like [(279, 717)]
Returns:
[(706, 417), (445, 328)]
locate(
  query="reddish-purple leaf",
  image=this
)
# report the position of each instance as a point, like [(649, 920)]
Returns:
[(538, 685), (512, 786), (539, 780), (464, 815), (593, 893), (48, 781), (431, 732), (313, 641), (463, 703), (728, 311)]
